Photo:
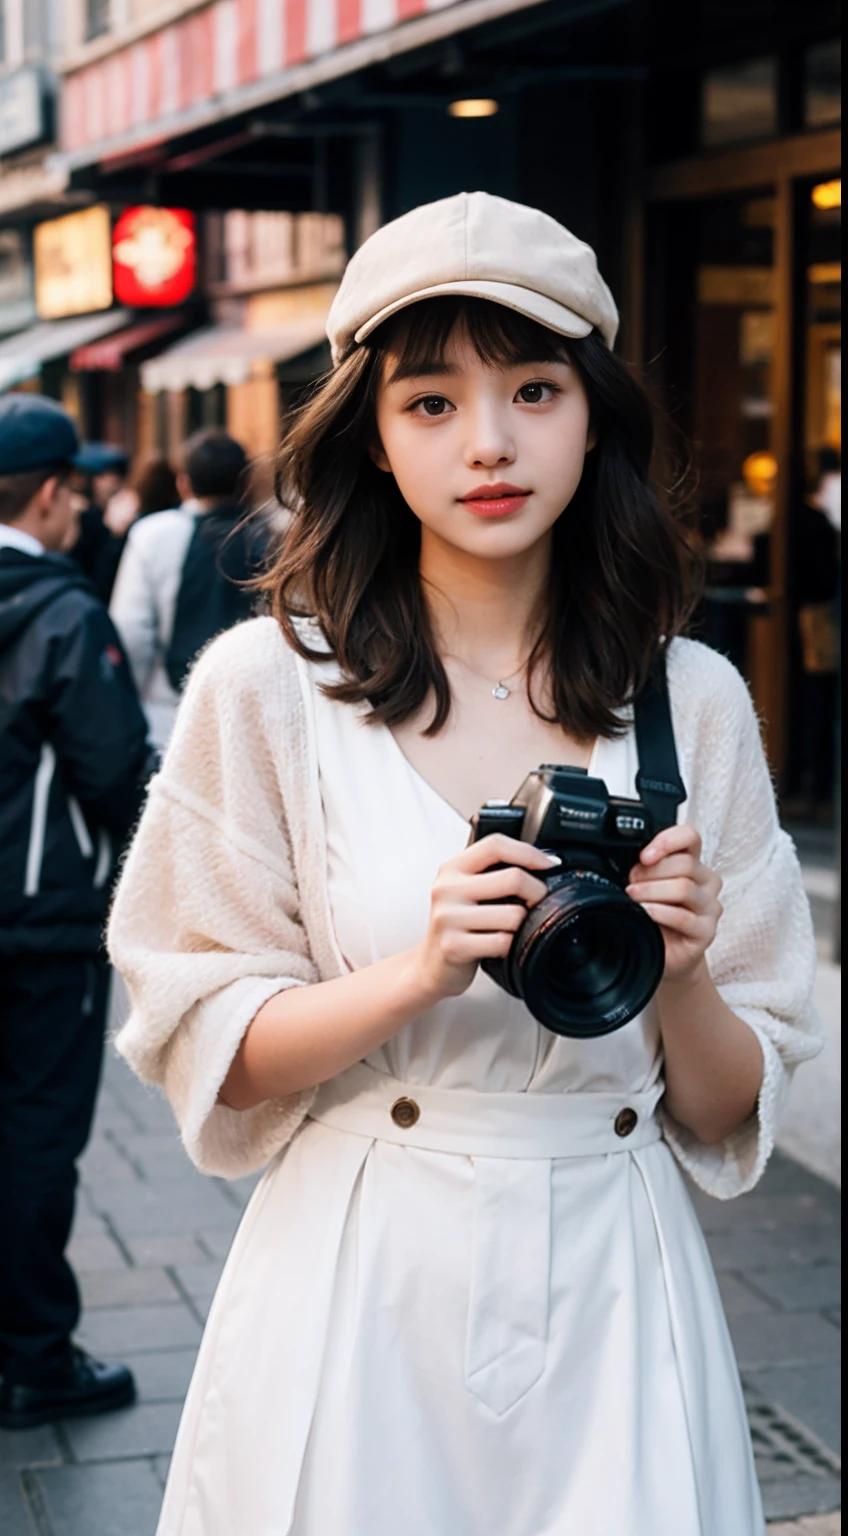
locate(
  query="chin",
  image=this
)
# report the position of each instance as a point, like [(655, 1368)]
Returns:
[(504, 541)]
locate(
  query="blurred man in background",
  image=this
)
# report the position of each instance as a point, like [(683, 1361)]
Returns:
[(150, 487), (816, 587), (182, 574), (74, 759), (103, 468)]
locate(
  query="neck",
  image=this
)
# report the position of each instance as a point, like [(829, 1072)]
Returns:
[(213, 503), (485, 612), (30, 523)]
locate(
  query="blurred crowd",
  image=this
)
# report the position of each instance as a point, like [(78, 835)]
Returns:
[(113, 575), (182, 577)]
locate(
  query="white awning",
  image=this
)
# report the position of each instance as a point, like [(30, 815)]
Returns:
[(223, 354), (21, 356)]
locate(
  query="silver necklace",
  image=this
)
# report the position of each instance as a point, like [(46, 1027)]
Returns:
[(502, 689)]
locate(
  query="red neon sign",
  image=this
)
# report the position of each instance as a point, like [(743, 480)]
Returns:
[(154, 256)]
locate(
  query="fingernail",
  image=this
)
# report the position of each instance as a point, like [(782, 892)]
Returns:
[(553, 858)]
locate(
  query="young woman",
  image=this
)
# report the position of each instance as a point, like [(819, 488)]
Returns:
[(470, 1294)]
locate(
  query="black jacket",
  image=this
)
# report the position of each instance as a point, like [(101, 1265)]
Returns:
[(74, 756)]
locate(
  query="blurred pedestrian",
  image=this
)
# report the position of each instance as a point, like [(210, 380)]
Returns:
[(73, 762), (816, 573), (103, 469), (152, 487), (181, 577), (828, 492)]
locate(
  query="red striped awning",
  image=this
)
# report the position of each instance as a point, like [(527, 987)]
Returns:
[(231, 54), (111, 354)]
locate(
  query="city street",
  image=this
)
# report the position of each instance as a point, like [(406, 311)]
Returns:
[(150, 1241), (491, 350)]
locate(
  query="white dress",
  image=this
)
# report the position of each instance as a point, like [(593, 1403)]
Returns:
[(455, 1342)]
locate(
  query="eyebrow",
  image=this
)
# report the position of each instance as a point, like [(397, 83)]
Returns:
[(430, 368)]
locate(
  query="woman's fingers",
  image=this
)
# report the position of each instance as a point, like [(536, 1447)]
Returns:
[(674, 866), (469, 917), (499, 849), (678, 839), (692, 925), (461, 948), (682, 893), (501, 884)]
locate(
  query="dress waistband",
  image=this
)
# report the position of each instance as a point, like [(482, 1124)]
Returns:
[(504, 1125)]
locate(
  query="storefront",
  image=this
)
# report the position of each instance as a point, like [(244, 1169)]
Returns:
[(693, 148), (108, 291), (269, 280), (742, 326)]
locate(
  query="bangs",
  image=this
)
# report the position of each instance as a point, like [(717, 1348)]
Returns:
[(419, 336)]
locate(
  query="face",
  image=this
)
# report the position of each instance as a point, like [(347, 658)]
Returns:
[(486, 457), (105, 485)]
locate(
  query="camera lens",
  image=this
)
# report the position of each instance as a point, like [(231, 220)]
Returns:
[(587, 959)]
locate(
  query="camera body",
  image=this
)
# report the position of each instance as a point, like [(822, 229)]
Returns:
[(587, 958)]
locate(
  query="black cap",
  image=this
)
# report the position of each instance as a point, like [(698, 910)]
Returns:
[(97, 458), (34, 433)]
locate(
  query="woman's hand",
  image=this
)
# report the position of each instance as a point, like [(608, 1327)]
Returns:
[(463, 930), (680, 894)]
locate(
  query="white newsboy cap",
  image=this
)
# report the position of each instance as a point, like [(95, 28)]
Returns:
[(481, 246)]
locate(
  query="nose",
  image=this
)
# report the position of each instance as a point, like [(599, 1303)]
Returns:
[(489, 441)]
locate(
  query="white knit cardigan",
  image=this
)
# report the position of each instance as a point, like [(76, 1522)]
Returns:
[(223, 898)]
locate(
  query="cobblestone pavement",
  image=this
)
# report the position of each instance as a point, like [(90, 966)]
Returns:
[(149, 1244)]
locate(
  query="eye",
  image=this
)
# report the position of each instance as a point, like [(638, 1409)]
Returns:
[(536, 392), (431, 405)]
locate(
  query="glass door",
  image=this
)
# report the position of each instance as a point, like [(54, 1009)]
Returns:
[(815, 507), (713, 334)]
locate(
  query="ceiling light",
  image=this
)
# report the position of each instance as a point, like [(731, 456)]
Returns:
[(828, 194), (475, 106)]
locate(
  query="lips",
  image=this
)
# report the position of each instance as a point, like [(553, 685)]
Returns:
[(498, 500)]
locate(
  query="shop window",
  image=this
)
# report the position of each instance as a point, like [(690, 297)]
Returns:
[(15, 272), (815, 511), (739, 102), (206, 407), (823, 85), (96, 18), (824, 327), (34, 27)]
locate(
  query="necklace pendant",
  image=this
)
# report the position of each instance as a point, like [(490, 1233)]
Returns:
[(500, 691)]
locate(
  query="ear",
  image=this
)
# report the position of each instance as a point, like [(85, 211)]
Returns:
[(184, 486), (377, 454), (591, 438), (45, 495)]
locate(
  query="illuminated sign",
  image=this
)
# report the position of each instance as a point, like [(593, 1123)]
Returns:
[(154, 254), (73, 266)]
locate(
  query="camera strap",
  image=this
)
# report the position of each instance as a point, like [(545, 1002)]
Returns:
[(658, 780)]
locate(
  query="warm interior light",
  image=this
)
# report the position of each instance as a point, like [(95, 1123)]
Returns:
[(828, 194), (759, 472), (475, 106)]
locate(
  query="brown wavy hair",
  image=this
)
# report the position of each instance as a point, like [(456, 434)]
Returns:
[(620, 581)]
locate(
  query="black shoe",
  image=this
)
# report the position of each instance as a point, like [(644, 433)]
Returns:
[(81, 1386)]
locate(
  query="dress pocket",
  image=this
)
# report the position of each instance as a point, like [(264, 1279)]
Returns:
[(509, 1297)]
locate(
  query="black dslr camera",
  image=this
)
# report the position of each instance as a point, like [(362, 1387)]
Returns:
[(586, 958)]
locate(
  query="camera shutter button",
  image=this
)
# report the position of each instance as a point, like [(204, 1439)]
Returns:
[(625, 1122), (405, 1113)]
